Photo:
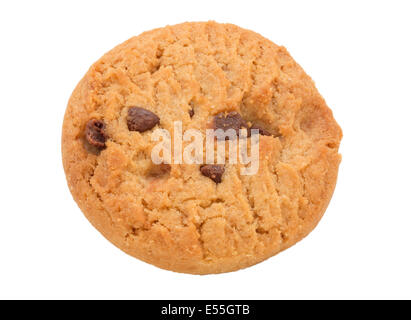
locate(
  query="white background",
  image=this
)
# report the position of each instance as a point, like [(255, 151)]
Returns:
[(358, 53)]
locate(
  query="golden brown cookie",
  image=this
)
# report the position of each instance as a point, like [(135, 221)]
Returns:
[(195, 218)]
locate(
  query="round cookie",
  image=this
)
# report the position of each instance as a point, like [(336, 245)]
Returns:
[(195, 218)]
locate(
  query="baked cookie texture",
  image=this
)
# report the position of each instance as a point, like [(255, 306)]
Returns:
[(173, 216)]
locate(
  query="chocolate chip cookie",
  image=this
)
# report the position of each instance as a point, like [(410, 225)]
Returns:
[(200, 218)]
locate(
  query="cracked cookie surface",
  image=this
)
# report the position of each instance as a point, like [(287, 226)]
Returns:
[(173, 216)]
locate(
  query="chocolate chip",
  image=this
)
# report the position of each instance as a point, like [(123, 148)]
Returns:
[(191, 111), (261, 131), (95, 133), (212, 171), (232, 120), (140, 119)]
